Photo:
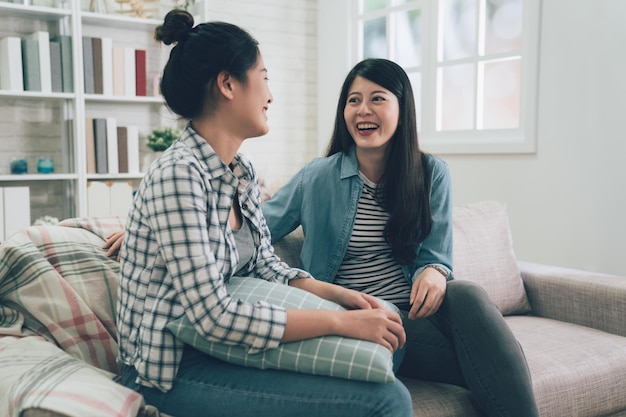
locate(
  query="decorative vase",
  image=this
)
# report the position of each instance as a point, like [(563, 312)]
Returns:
[(45, 165)]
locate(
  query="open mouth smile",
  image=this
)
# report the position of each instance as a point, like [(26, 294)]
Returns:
[(366, 126)]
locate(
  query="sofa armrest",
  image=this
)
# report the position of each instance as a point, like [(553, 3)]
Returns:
[(586, 298)]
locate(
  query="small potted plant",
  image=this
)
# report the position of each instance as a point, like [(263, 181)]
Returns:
[(160, 139)]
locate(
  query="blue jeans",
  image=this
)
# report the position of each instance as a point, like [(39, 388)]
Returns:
[(468, 343), (208, 387)]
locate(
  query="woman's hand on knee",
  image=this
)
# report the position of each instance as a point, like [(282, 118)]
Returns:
[(376, 325), (427, 294)]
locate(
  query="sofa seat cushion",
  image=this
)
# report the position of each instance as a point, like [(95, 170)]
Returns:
[(433, 399), (576, 370), (483, 253)]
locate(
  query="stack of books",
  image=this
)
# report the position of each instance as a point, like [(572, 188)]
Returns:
[(111, 149), (113, 70), (37, 62)]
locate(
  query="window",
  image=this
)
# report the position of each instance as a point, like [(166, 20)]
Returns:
[(472, 65)]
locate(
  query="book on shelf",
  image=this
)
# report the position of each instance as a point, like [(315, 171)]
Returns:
[(96, 53), (141, 83), (118, 71), (56, 67), (90, 146), (111, 132), (107, 66), (66, 61), (132, 137), (88, 72), (30, 65), (11, 76), (43, 50), (128, 149), (16, 209), (129, 71), (100, 145), (111, 149), (122, 149)]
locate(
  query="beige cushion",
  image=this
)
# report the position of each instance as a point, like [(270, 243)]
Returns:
[(483, 253)]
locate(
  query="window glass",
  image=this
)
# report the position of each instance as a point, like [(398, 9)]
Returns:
[(375, 38), (456, 97), (501, 95), (408, 37), (464, 60), (459, 23), (372, 5), (503, 29)]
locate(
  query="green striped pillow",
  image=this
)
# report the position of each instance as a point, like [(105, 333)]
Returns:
[(328, 355)]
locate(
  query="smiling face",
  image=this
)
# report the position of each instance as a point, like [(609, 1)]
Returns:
[(253, 101), (371, 113)]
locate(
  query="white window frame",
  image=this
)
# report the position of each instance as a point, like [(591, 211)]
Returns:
[(471, 141)]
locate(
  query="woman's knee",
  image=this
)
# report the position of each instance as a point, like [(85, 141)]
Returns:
[(395, 400), (467, 294)]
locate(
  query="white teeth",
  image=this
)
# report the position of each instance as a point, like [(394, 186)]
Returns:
[(364, 126)]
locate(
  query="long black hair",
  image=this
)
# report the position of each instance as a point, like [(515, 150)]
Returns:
[(200, 54), (404, 188)]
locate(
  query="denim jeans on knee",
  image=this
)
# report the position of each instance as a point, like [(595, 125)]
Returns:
[(468, 343), (208, 387)]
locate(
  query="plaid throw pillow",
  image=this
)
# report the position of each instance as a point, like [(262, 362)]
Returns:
[(329, 355)]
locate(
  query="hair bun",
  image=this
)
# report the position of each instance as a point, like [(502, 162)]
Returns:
[(176, 27)]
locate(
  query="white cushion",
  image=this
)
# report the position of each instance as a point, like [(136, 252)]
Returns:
[(483, 253)]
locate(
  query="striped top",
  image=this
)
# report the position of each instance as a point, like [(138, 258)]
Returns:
[(368, 265)]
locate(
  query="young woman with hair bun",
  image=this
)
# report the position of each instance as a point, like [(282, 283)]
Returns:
[(195, 222)]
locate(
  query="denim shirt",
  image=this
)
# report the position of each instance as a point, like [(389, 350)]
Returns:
[(322, 197)]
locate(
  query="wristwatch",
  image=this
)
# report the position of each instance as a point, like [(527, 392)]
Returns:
[(439, 269)]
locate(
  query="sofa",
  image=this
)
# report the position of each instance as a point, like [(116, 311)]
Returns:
[(58, 339)]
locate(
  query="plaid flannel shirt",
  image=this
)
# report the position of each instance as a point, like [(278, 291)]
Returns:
[(179, 252)]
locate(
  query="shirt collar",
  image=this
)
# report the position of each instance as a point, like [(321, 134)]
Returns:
[(349, 163), (214, 165)]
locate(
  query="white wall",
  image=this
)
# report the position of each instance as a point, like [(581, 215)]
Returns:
[(567, 202)]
